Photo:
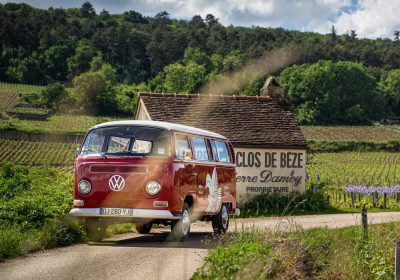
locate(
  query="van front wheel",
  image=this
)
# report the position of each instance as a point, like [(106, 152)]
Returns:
[(95, 230), (220, 222)]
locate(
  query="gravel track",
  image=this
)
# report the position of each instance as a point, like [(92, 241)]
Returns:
[(134, 256)]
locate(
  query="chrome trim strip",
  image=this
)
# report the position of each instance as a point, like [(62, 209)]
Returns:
[(137, 213)]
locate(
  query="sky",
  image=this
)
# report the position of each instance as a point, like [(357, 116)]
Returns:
[(369, 18)]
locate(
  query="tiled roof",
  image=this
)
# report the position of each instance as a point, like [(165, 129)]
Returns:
[(245, 120)]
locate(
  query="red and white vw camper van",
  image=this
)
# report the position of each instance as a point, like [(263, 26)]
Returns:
[(150, 172)]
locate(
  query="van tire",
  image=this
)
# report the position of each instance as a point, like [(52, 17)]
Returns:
[(220, 222), (95, 230), (180, 229), (143, 228)]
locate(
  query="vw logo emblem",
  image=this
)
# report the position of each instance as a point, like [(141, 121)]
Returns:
[(116, 183)]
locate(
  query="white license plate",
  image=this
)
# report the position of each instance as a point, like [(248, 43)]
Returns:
[(116, 211)]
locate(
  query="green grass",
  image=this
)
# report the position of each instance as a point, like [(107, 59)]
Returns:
[(318, 253), (57, 124), (238, 260), (275, 204)]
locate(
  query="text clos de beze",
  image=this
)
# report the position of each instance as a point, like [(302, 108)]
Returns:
[(270, 159)]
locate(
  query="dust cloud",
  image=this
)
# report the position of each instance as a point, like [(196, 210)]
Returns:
[(269, 63)]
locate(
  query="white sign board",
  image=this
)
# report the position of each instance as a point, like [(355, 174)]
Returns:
[(269, 170)]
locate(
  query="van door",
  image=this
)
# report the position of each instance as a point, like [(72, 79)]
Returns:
[(185, 179), (208, 191), (226, 171)]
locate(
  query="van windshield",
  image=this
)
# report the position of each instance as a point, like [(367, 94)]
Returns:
[(127, 141)]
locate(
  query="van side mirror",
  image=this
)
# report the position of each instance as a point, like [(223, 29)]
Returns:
[(77, 151), (187, 154)]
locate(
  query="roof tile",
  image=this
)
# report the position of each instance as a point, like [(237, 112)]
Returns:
[(245, 120)]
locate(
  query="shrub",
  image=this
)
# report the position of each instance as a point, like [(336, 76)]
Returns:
[(275, 203), (52, 93), (35, 202), (225, 262), (62, 232)]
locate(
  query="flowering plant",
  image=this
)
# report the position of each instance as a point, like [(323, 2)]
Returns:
[(372, 190)]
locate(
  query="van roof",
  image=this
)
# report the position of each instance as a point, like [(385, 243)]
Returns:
[(163, 125)]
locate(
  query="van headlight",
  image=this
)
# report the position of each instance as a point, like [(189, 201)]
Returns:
[(153, 187), (84, 187)]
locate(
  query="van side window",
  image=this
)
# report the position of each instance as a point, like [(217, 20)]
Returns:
[(182, 145), (214, 149), (200, 149), (222, 152)]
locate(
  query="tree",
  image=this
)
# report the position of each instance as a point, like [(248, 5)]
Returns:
[(333, 33), (166, 46), (53, 93), (55, 61), (217, 62), (126, 97), (197, 33), (197, 56), (92, 94), (232, 61), (162, 16), (332, 93), (211, 20), (133, 17), (353, 35), (390, 87), (25, 70), (87, 10), (80, 61), (184, 78)]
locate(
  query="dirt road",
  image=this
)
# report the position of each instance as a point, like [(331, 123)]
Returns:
[(133, 256)]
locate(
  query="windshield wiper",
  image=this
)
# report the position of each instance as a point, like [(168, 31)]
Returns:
[(97, 152)]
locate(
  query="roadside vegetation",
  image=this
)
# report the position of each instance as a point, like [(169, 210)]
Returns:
[(34, 207), (275, 204), (318, 253), (34, 203)]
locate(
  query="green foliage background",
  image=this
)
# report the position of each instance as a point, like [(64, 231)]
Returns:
[(104, 60)]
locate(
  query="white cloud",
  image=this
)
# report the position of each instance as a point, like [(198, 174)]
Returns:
[(372, 19), (294, 14)]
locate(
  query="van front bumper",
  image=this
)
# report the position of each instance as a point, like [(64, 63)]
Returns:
[(133, 213)]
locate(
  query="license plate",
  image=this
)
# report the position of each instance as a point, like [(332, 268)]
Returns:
[(116, 211)]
